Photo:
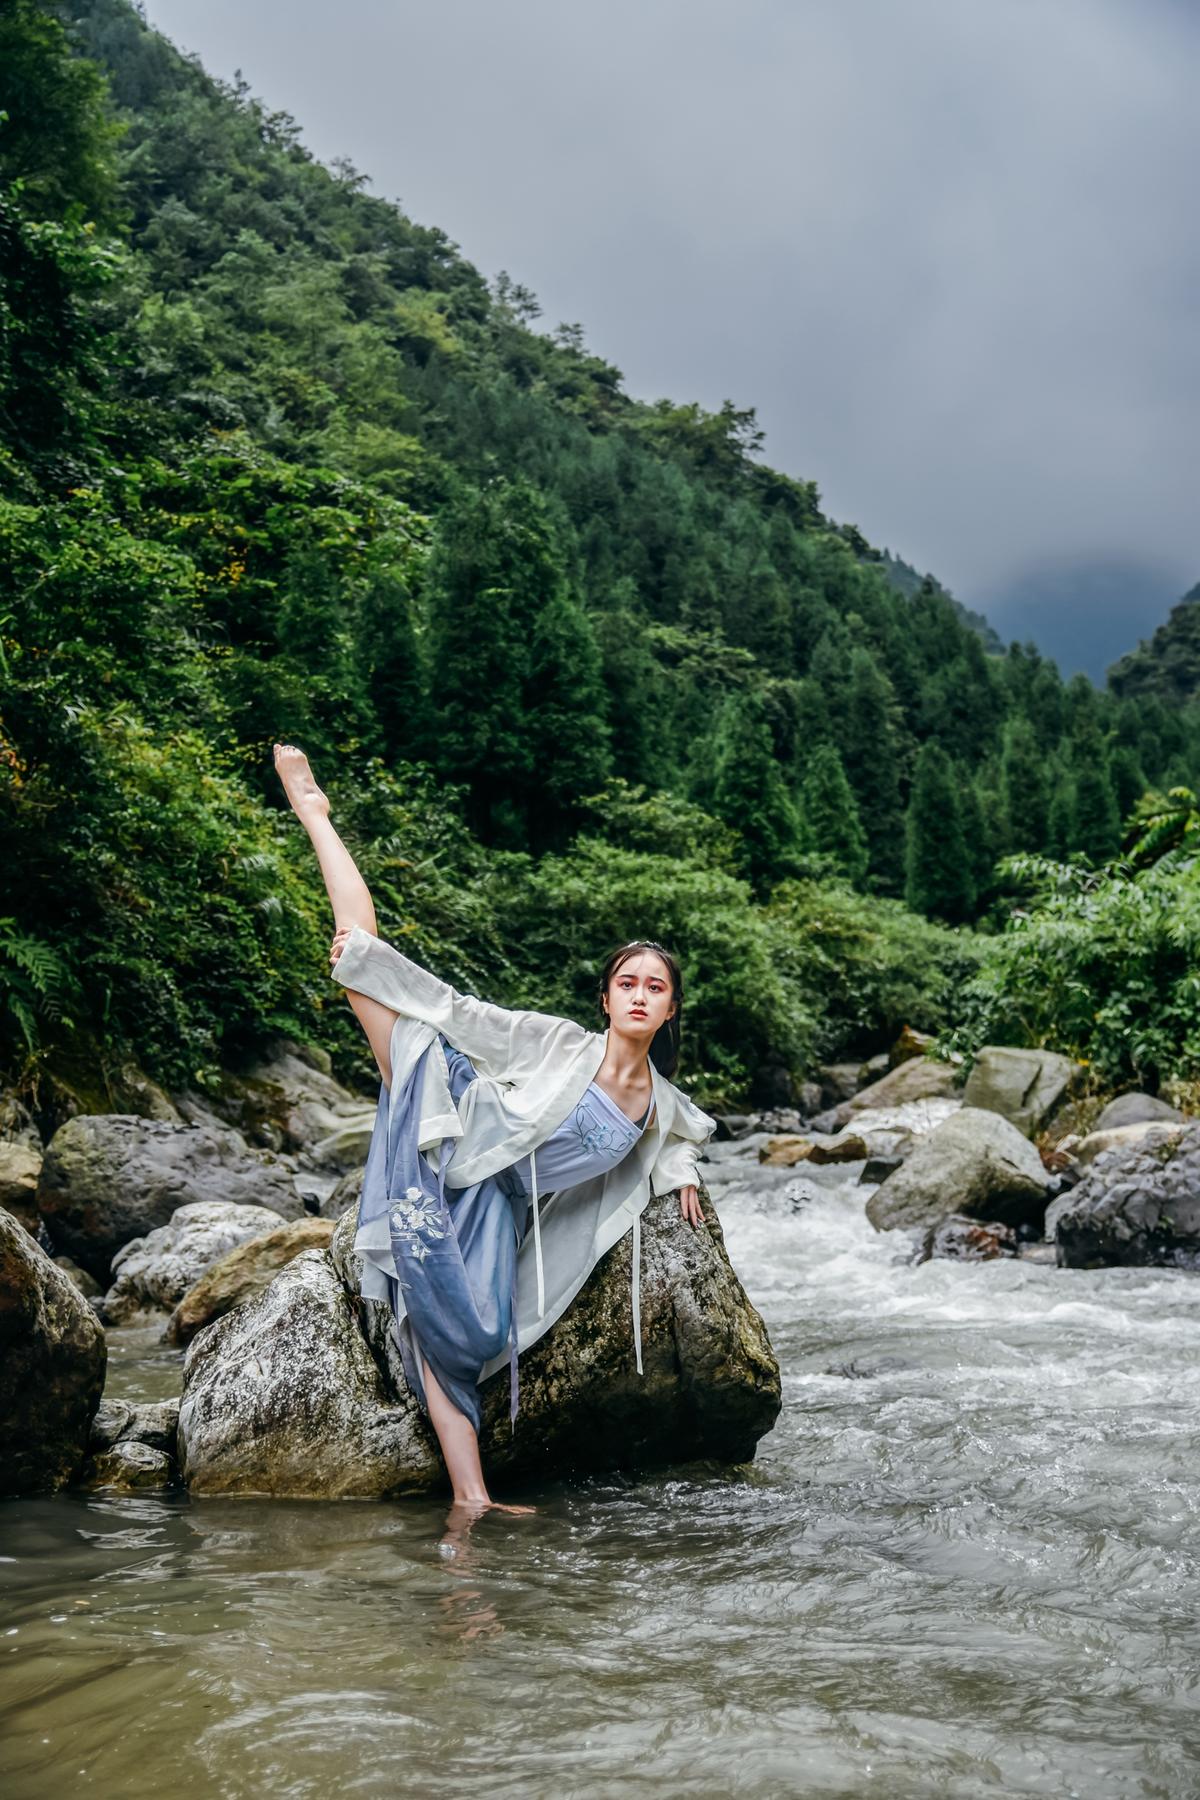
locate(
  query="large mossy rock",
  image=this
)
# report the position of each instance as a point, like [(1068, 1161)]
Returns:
[(974, 1163), (918, 1078), (110, 1177), (52, 1363), (301, 1391), (1023, 1086), (241, 1273), (153, 1273), (1138, 1203)]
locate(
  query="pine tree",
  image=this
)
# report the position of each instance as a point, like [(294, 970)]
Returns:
[(938, 878), (564, 708), (1095, 820), (749, 791), (832, 822), (1026, 793), (495, 567), (870, 756), (393, 668)]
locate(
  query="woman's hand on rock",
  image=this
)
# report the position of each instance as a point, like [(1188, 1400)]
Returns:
[(689, 1206), (339, 943)]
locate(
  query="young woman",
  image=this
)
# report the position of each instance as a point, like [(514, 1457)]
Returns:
[(495, 1128)]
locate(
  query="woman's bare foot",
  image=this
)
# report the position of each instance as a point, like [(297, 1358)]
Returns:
[(465, 1513), (305, 796)]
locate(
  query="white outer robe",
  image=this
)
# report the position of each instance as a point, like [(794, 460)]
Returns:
[(533, 1067)]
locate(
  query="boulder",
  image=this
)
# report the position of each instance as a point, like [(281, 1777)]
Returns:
[(960, 1239), (20, 1162), (1135, 1109), (920, 1078), (848, 1146), (88, 1286), (285, 1396), (132, 1447), (1084, 1151), (1023, 1086), (975, 1163), (110, 1177), (153, 1273), (287, 1103), (783, 1152), (910, 1043), (243, 1272), (344, 1196), (52, 1362), (839, 1081), (1137, 1203)]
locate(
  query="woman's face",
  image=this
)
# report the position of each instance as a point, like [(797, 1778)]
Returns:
[(639, 996)]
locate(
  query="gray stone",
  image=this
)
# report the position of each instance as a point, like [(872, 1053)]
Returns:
[(243, 1272), (129, 1467), (110, 1177), (1118, 1137), (52, 1362), (1023, 1086), (910, 1043), (285, 1104), (919, 1078), (839, 1081), (88, 1286), (152, 1422), (975, 1163), (153, 1273), (1135, 1109), (290, 1395), (344, 1196), (960, 1239), (1136, 1204)]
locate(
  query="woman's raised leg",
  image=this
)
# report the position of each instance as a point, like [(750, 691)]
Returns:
[(348, 893)]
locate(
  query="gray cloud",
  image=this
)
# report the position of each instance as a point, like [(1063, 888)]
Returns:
[(947, 249)]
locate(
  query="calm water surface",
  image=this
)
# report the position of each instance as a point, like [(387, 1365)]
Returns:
[(965, 1563)]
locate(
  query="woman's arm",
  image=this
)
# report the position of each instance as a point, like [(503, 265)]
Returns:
[(500, 1042)]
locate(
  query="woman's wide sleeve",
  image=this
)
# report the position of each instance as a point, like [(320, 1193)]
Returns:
[(676, 1164), (499, 1042)]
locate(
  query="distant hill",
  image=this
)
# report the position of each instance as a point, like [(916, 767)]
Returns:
[(1167, 665), (905, 580), (1082, 610)]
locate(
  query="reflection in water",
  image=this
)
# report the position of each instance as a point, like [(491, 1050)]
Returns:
[(965, 1563)]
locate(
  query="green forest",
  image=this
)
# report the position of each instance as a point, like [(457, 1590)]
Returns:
[(278, 463)]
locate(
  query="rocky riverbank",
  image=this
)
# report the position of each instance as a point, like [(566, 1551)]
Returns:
[(233, 1232)]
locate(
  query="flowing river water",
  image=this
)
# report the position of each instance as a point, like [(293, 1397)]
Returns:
[(966, 1562)]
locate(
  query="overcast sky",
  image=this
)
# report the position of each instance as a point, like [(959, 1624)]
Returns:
[(949, 249)]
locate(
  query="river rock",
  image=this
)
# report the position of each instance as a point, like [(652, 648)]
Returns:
[(20, 1162), (920, 1078), (153, 1273), (1023, 1086), (839, 1081), (1135, 1109), (243, 1272), (284, 1396), (110, 1177), (910, 1043), (152, 1422), (975, 1163), (130, 1467), (783, 1152), (1084, 1151), (52, 1362), (968, 1240), (344, 1196), (87, 1284), (1136, 1204), (287, 1103)]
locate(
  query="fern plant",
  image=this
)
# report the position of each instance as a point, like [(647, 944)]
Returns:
[(36, 982)]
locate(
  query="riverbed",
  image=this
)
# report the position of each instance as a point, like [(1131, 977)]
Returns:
[(966, 1562)]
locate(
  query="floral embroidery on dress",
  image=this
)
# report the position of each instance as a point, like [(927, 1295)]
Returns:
[(596, 1136), (416, 1213)]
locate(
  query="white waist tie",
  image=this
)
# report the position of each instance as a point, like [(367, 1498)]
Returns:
[(537, 1236)]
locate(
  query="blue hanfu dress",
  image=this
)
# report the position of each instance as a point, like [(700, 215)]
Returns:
[(453, 1294)]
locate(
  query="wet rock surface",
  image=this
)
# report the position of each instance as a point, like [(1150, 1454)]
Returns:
[(969, 1240), (52, 1363), (20, 1162), (1136, 1109)]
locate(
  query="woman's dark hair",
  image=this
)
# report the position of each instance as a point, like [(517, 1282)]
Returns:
[(664, 1051)]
